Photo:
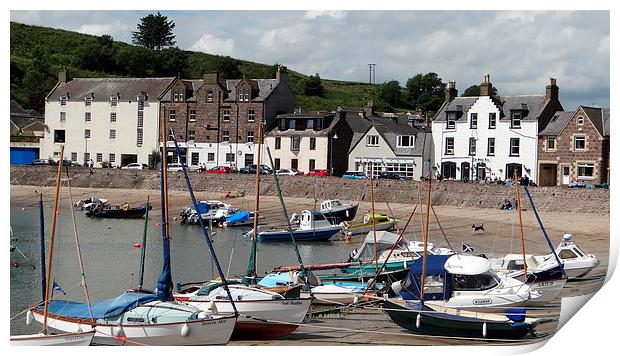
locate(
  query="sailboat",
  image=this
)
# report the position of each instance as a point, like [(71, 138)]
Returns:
[(45, 337), (263, 314), (142, 318)]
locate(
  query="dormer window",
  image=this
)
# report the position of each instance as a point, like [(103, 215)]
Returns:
[(178, 95), (580, 121), (114, 101), (63, 100), (406, 141), (515, 120), (209, 96), (451, 120), (310, 124), (244, 95)]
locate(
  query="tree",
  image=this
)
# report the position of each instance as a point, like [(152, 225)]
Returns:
[(425, 91), (387, 95), (37, 81), (227, 67), (135, 61), (474, 90), (172, 62), (313, 86), (154, 32), (98, 55)]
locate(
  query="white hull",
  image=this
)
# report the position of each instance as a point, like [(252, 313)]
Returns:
[(68, 339), (577, 271), (279, 310), (549, 290), (198, 332), (332, 298)]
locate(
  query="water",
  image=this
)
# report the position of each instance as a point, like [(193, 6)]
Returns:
[(111, 261)]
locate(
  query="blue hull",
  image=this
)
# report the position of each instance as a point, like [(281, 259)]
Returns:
[(310, 235)]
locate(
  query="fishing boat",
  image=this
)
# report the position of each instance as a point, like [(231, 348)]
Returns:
[(378, 222), (242, 218), (210, 211), (337, 211), (313, 226), (577, 263), (84, 204), (116, 211)]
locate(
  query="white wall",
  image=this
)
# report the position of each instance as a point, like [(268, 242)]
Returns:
[(304, 155)]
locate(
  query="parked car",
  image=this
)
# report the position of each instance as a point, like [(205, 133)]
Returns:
[(67, 163), (251, 169), (392, 175), (136, 166), (288, 172), (355, 175), (219, 169), (174, 167), (318, 173), (41, 162), (76, 164)]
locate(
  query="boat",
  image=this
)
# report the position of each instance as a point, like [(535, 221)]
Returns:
[(65, 339), (84, 204), (313, 226), (116, 211), (242, 218), (378, 222), (337, 211), (577, 263), (211, 211)]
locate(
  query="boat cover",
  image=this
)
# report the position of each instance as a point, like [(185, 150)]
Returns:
[(104, 309), (435, 273), (385, 241), (238, 217), (207, 288), (202, 207)]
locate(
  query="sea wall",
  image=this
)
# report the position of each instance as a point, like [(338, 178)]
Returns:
[(458, 194)]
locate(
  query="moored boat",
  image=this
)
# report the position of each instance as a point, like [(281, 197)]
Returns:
[(313, 226), (577, 263), (116, 211), (65, 339), (378, 222), (336, 211), (242, 218)]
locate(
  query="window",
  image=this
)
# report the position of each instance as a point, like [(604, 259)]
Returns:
[(405, 141), (372, 140), (515, 120), (140, 138), (276, 163), (226, 115), (244, 95), (567, 254), (472, 146), (112, 117), (87, 116), (210, 156), (86, 157), (112, 158), (195, 158), (87, 102), (451, 120), (230, 157), (291, 124), (449, 145), (580, 121), (311, 164), (192, 115), (99, 157), (278, 143), (191, 135), (551, 143), (63, 100), (492, 120), (140, 119), (295, 141), (250, 136), (491, 146), (112, 134), (312, 143), (473, 123), (251, 115), (514, 146), (209, 96), (225, 136), (310, 124), (294, 163), (178, 95), (114, 101), (87, 133), (63, 116), (585, 170), (140, 105), (580, 143), (172, 115), (74, 156)]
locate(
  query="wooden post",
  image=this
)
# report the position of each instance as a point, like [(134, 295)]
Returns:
[(516, 184)]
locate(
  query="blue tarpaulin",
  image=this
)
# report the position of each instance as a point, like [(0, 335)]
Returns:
[(434, 268), (104, 309), (238, 217), (202, 208)]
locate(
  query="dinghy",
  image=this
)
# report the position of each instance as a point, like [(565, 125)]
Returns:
[(242, 218)]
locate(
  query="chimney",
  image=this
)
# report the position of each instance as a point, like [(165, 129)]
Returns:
[(210, 78), (369, 109), (282, 74), (63, 76), (486, 86), (451, 91), (553, 90)]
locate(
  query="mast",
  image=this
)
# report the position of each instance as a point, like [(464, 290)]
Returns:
[(251, 273), (516, 184), (42, 253), (164, 283), (143, 251), (374, 223), (428, 208), (52, 235)]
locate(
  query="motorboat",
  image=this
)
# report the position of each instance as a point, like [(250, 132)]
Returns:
[(577, 263), (210, 211), (369, 222), (337, 211), (117, 211), (313, 226), (242, 218), (84, 204)]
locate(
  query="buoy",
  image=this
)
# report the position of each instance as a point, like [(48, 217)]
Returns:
[(355, 299), (16, 263), (109, 227), (349, 238), (221, 225), (175, 218), (185, 330), (484, 330), (23, 209), (202, 315), (210, 305), (158, 224), (417, 321), (29, 317), (137, 245)]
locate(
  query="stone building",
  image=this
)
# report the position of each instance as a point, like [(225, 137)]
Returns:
[(575, 146), (27, 128)]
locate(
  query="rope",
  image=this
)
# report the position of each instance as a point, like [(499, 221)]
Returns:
[(41, 303), (123, 339)]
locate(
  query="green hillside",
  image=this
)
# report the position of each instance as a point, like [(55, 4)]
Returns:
[(38, 53)]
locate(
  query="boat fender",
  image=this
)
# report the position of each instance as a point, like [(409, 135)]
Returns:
[(417, 321), (117, 331), (185, 330), (202, 315), (210, 305), (220, 225), (29, 317), (405, 264), (484, 330), (346, 213)]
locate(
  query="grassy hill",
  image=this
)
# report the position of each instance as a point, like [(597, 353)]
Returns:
[(38, 53)]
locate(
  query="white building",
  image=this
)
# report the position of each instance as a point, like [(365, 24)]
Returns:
[(486, 137), (113, 120)]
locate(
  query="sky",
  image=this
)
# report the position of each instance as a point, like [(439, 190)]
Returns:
[(521, 50)]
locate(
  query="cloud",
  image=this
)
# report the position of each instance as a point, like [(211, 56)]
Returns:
[(99, 29), (213, 45), (335, 14)]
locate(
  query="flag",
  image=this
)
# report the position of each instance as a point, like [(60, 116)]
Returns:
[(58, 288), (466, 247)]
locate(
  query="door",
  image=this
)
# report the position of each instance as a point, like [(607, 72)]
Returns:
[(127, 159), (481, 171), (465, 171), (249, 159), (448, 170), (294, 163), (565, 175), (512, 168)]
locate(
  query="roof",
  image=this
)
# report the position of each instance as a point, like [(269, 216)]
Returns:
[(22, 118), (307, 132), (103, 88), (458, 104), (467, 265), (533, 104), (264, 87), (557, 123), (599, 118)]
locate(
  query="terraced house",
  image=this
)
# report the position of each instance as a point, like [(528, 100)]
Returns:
[(575, 146), (490, 137), (216, 121)]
